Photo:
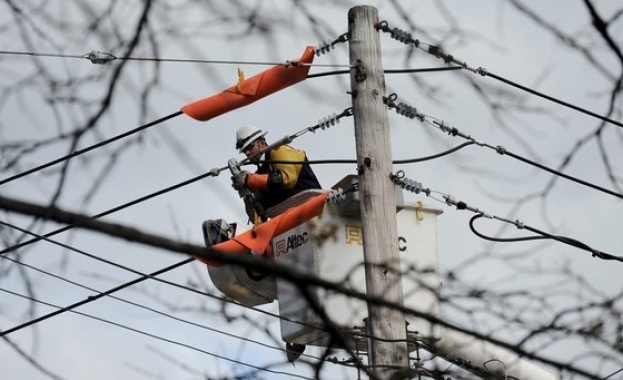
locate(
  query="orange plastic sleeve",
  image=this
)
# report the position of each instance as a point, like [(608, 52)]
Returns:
[(256, 182), (252, 89), (258, 239)]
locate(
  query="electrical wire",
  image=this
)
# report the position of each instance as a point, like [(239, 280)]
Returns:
[(412, 113), (93, 56), (211, 173), (323, 124), (143, 275), (387, 71), (612, 374), (91, 298), (499, 240), (151, 276), (434, 156), (303, 278), (109, 294), (128, 269), (153, 336), (100, 58), (89, 148), (406, 38), (416, 187), (354, 161)]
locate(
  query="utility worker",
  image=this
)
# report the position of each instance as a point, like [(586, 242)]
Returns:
[(272, 183)]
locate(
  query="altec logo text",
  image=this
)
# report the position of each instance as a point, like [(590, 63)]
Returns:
[(291, 242)]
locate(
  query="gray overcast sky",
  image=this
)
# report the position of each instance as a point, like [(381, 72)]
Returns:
[(497, 39)]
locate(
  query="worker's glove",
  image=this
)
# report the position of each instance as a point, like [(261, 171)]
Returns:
[(239, 181)]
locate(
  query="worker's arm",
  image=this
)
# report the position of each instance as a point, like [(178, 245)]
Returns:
[(284, 176)]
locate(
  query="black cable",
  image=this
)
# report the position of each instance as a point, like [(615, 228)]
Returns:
[(544, 235), (194, 324), (328, 73), (388, 71), (109, 292), (424, 70), (612, 374), (577, 244), (503, 151), (406, 38), (125, 327), (35, 54), (453, 131), (348, 161), (100, 58), (89, 148), (499, 240), (449, 151), (94, 297), (552, 99), (175, 285), (298, 277), (110, 211)]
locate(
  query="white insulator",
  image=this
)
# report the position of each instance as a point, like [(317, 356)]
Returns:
[(336, 195), (328, 121)]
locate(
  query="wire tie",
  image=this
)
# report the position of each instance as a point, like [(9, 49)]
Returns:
[(500, 149), (214, 172), (519, 224)]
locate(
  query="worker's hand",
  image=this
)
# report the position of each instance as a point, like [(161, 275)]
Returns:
[(239, 181)]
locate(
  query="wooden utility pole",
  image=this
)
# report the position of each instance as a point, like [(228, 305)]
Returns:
[(387, 348)]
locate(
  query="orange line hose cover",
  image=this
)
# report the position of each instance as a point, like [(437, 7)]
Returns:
[(258, 238), (263, 84)]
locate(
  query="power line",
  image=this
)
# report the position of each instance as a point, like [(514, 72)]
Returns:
[(109, 294), (89, 148), (211, 173), (280, 270), (92, 298), (387, 71), (323, 124), (412, 113), (417, 187), (545, 235), (133, 282), (101, 58), (162, 271), (406, 38), (160, 338), (354, 161), (612, 374)]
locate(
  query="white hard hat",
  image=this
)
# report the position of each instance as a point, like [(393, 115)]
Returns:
[(245, 135)]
